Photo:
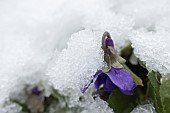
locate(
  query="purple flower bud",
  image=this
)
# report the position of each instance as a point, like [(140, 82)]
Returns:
[(109, 42), (36, 91)]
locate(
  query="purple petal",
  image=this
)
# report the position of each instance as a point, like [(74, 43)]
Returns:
[(98, 73), (109, 86), (122, 79), (86, 86), (101, 79), (109, 42)]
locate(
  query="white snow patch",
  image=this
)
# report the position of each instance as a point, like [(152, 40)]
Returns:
[(150, 35), (31, 31), (146, 108), (79, 61), (153, 49)]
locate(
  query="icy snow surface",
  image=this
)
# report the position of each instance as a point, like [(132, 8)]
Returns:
[(147, 108), (32, 34), (75, 65)]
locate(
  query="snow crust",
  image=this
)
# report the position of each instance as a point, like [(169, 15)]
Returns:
[(81, 59), (75, 65), (150, 37), (146, 108), (153, 49), (33, 33)]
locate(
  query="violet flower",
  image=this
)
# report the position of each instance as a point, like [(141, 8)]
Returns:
[(114, 75)]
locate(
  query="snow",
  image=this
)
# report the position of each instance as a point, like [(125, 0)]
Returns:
[(119, 26), (75, 65), (81, 59), (153, 18), (146, 108), (35, 41), (153, 49), (30, 32), (150, 37), (10, 108)]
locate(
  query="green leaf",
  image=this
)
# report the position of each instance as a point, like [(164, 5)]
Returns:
[(141, 63), (165, 95), (154, 90), (153, 79), (121, 103)]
